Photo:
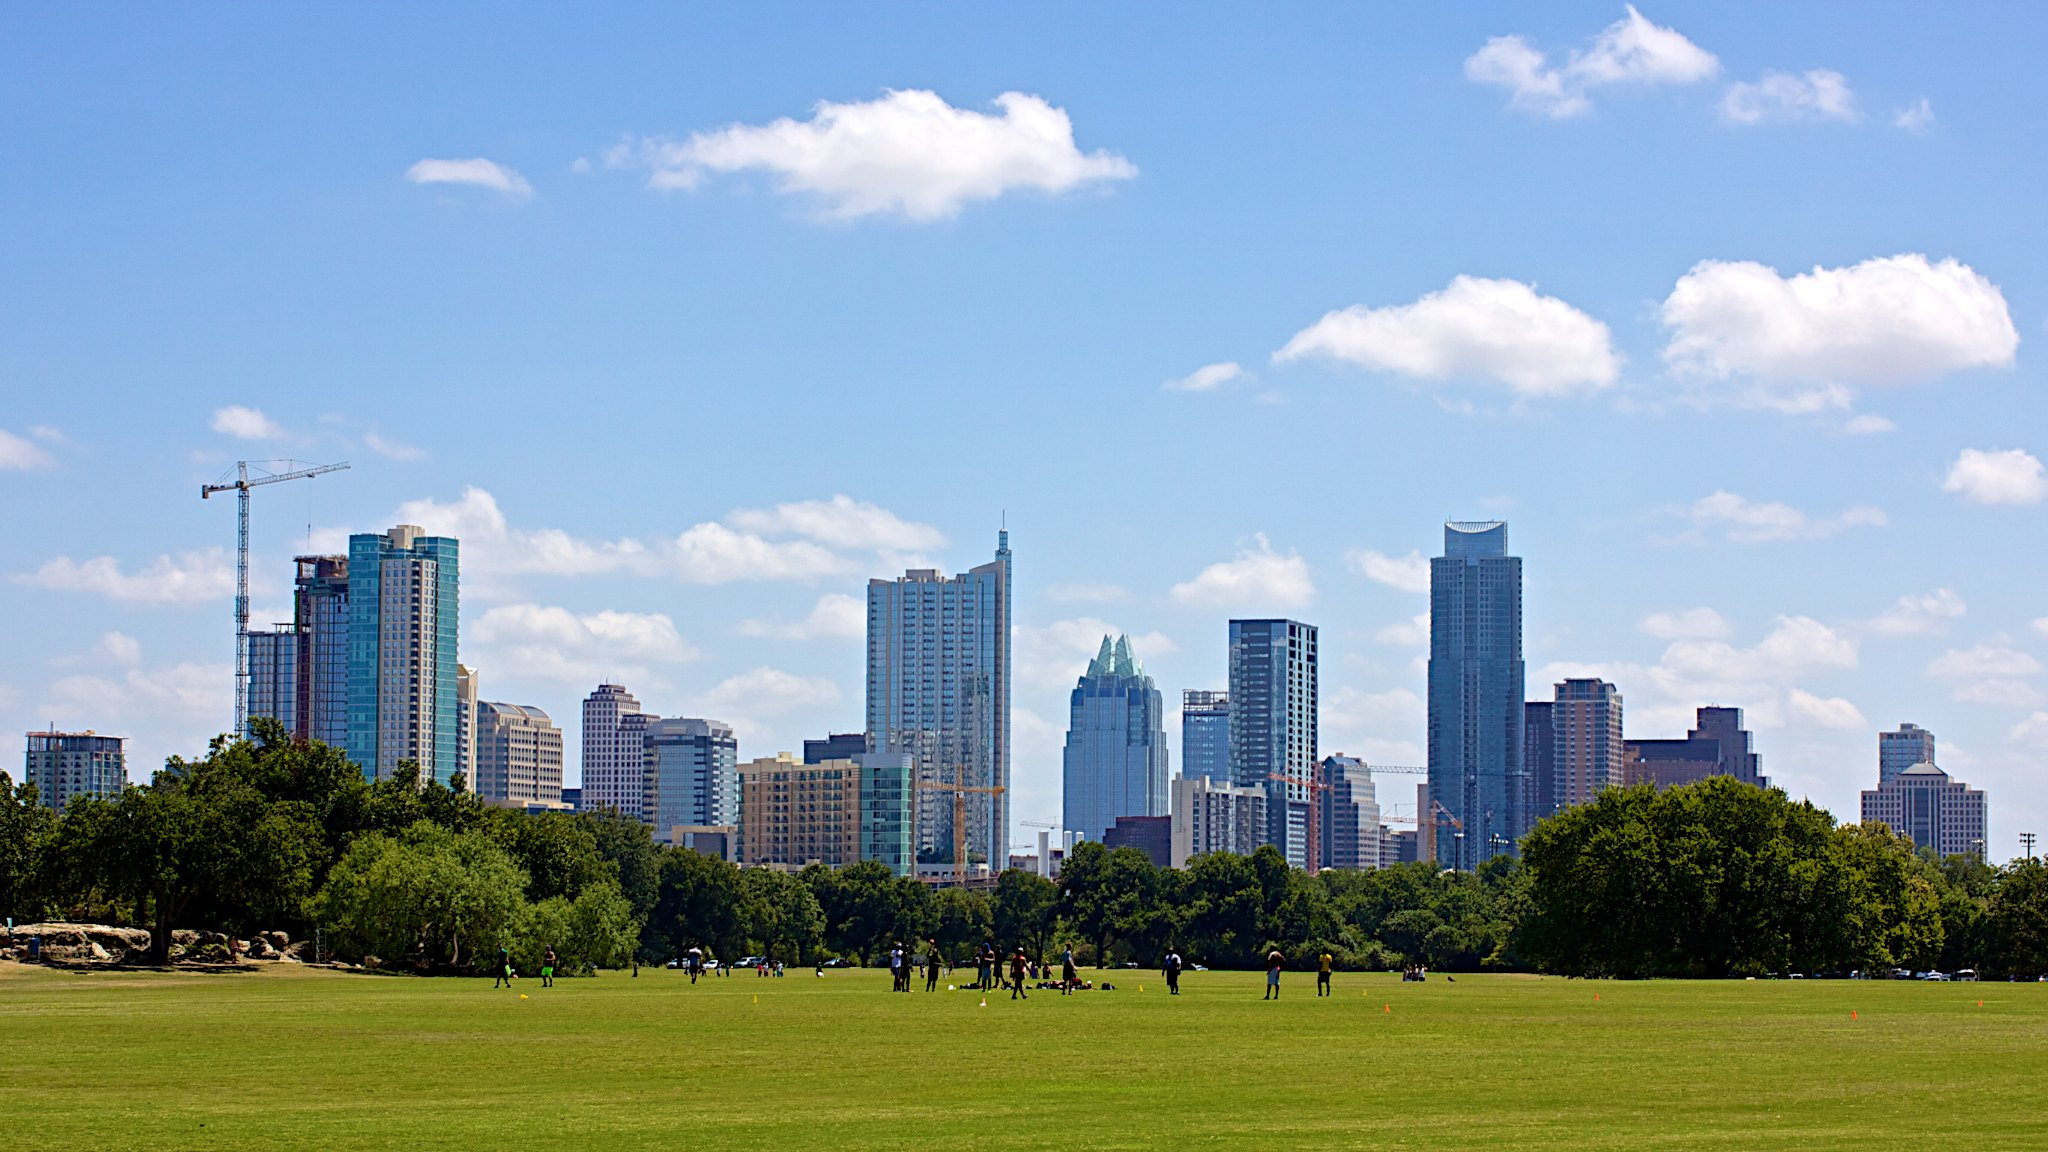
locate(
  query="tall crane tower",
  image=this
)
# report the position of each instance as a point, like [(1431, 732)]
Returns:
[(240, 485), (960, 789)]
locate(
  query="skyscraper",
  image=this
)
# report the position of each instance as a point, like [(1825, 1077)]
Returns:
[(1348, 815), (1477, 784), (1539, 755), (888, 826), (64, 765), (518, 755), (1115, 762), (402, 603), (466, 684), (692, 774), (1898, 751), (1273, 724), (1935, 812), (793, 813), (1213, 816), (938, 688), (274, 676), (1204, 734), (614, 751), (1718, 745), (320, 616), (835, 746), (1587, 753)]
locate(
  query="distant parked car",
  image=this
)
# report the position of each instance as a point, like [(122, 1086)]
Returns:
[(750, 961), (836, 962), (1967, 974)]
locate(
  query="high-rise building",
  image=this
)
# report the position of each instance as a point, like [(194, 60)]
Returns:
[(518, 756), (1204, 733), (794, 813), (403, 605), (1347, 814), (1273, 724), (1152, 835), (274, 677), (320, 616), (466, 685), (1115, 761), (1213, 816), (1587, 749), (1478, 785), (1718, 745), (1900, 750), (888, 810), (1539, 754), (938, 688), (65, 765), (1938, 813), (691, 774), (836, 746), (614, 752)]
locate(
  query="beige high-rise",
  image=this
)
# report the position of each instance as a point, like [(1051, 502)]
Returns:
[(793, 813)]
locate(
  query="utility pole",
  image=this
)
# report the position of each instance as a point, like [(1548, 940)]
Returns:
[(2027, 842), (240, 485)]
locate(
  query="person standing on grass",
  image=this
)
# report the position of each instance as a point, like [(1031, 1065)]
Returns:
[(1173, 965), (693, 963), (504, 968), (1068, 977), (1323, 974), (547, 967), (1017, 965), (1273, 963), (931, 965)]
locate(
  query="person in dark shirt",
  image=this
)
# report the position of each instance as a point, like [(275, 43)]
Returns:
[(1018, 963), (931, 965), (1173, 965)]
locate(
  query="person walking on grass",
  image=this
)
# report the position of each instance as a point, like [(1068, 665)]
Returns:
[(1173, 966), (1274, 961), (1018, 963), (1068, 977), (1323, 974), (547, 967), (693, 963), (504, 968), (931, 965)]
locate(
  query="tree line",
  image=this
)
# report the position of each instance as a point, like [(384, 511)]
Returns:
[(1715, 879)]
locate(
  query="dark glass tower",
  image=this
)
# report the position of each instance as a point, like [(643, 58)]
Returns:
[(1478, 782), (1115, 762), (1273, 724)]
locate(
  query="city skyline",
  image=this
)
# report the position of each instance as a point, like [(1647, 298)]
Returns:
[(1836, 532)]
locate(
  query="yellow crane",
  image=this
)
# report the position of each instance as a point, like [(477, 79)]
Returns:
[(960, 790), (239, 482)]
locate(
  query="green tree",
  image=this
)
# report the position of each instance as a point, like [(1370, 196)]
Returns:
[(557, 851), (966, 918), (1024, 910), (1222, 902), (25, 829), (779, 914), (860, 902), (697, 904), (427, 897), (2016, 921)]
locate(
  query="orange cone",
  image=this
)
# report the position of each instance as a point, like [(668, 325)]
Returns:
[(1852, 1014)]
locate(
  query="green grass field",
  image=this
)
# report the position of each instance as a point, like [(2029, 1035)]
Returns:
[(282, 1057)]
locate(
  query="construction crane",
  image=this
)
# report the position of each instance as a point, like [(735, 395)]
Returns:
[(960, 790), (240, 486)]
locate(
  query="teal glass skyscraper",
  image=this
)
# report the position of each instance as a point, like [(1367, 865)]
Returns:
[(402, 604), (938, 688), (1478, 784), (1116, 761)]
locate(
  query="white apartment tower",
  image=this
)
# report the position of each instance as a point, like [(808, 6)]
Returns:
[(614, 751)]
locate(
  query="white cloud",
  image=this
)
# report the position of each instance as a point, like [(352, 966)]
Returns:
[(1827, 712), (1690, 624), (245, 423), (1819, 94), (1981, 661), (1207, 378), (493, 549), (2041, 625), (1408, 573), (1796, 646), (1744, 521), (1868, 424), (1630, 51), (1999, 693), (1919, 615), (711, 553), (1410, 633), (47, 432), (1915, 118), (553, 645), (2033, 730), (766, 692), (1259, 579), (2011, 476), (392, 449), (1893, 320), (189, 578), (1085, 593), (119, 648), (476, 171), (834, 617), (906, 153), (20, 455), (841, 522), (1476, 328)]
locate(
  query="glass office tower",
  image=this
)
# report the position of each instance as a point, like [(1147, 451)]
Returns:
[(1273, 724), (402, 699), (1478, 783), (1115, 762)]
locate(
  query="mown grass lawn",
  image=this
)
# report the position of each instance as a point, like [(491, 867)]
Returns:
[(283, 1057)]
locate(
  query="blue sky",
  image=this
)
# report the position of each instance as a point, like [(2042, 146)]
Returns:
[(688, 322)]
